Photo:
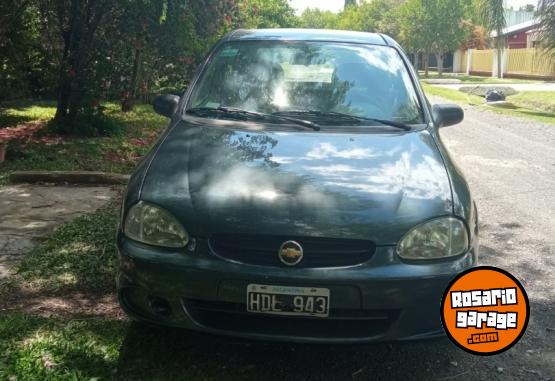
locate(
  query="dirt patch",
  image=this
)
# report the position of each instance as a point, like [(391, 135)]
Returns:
[(70, 305)]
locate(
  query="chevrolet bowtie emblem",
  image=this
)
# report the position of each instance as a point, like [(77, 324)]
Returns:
[(290, 253)]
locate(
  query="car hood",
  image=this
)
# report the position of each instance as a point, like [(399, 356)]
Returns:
[(226, 177)]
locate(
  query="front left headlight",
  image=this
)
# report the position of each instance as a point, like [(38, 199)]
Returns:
[(150, 224), (440, 238)]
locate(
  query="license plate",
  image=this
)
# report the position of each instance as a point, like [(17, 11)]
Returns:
[(284, 300)]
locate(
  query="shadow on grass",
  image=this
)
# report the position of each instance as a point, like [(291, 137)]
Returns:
[(10, 120), (78, 256), (38, 348), (13, 113), (542, 114)]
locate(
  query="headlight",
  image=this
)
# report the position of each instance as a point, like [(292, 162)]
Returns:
[(441, 238), (153, 225)]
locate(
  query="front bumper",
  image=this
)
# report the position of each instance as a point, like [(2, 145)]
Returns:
[(384, 299)]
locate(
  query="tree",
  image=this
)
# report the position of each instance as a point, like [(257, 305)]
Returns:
[(374, 16), (432, 26), (349, 3), (24, 51), (108, 49), (414, 33), (78, 22), (445, 27), (477, 36), (266, 14), (12, 13), (389, 22), (492, 15), (156, 44), (316, 18), (546, 15)]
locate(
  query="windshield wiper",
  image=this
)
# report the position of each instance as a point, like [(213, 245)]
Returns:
[(200, 111), (338, 115)]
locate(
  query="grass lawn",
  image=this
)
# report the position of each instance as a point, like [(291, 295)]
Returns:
[(118, 154), (535, 105), (35, 348), (538, 100), (73, 270), (17, 112), (77, 257)]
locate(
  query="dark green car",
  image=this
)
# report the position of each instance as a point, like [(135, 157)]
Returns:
[(301, 192)]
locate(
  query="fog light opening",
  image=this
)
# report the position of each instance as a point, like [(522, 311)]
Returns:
[(159, 306)]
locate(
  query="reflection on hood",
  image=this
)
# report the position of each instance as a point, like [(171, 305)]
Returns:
[(296, 183)]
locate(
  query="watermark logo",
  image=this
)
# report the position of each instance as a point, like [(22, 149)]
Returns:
[(485, 310)]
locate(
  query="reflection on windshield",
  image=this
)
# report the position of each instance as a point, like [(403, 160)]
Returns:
[(272, 76)]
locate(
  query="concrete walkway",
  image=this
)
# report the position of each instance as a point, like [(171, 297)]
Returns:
[(30, 212)]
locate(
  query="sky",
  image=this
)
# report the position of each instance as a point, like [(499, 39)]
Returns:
[(337, 5)]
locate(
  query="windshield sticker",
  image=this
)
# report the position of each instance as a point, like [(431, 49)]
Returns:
[(311, 73)]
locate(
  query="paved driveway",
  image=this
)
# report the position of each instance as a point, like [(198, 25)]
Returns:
[(510, 164), (30, 212)]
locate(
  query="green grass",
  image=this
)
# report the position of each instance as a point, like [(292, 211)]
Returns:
[(452, 95), (80, 255), (536, 100), (35, 348), (530, 105), (77, 257), (17, 112), (116, 154)]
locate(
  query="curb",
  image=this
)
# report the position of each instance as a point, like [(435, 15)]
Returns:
[(69, 177)]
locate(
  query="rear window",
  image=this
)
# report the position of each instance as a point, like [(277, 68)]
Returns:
[(269, 76)]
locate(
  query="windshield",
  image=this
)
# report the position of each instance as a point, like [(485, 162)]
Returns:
[(279, 77)]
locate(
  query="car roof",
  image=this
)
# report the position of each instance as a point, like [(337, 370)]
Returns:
[(328, 35)]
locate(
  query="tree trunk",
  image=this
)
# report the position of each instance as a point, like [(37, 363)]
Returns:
[(62, 97), (65, 109), (78, 27), (70, 98), (416, 61), (426, 63), (439, 60), (129, 101)]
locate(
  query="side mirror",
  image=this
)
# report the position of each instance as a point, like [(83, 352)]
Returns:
[(447, 114), (165, 104)]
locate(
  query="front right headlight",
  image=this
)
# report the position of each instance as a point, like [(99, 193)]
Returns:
[(440, 238), (150, 224)]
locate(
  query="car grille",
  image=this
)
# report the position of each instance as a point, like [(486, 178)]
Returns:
[(233, 317), (318, 252)]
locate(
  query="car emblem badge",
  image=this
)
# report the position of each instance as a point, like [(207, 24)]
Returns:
[(290, 253)]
